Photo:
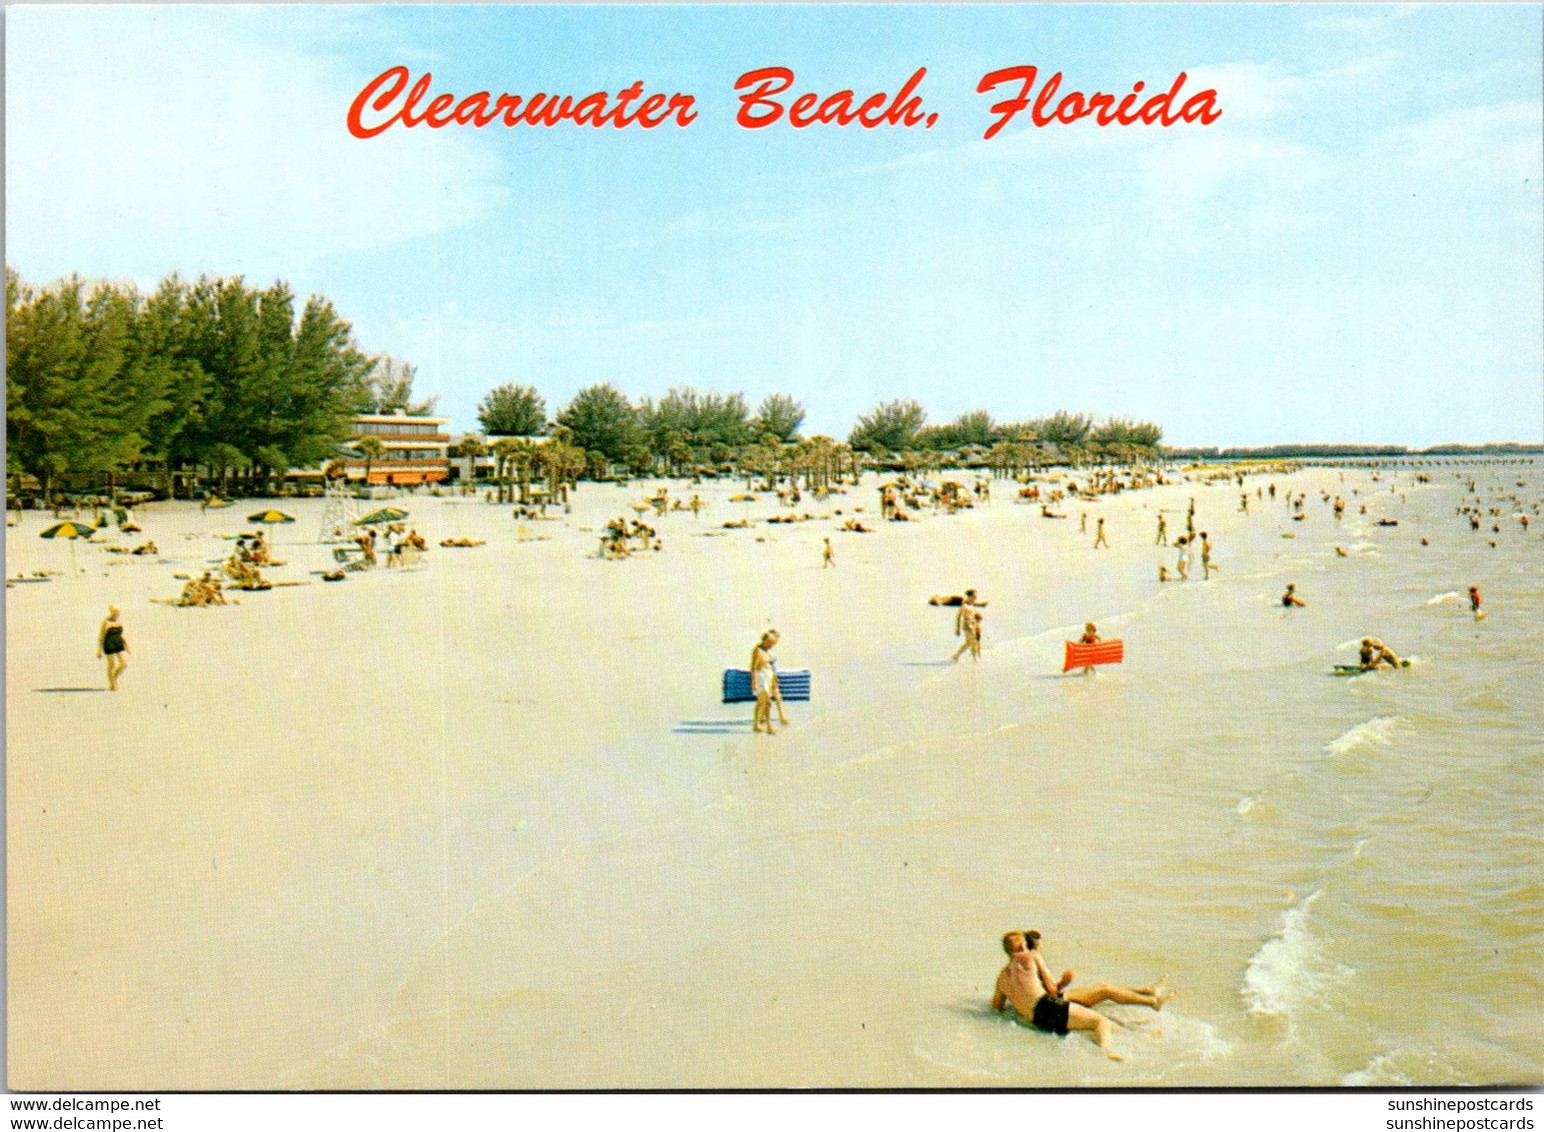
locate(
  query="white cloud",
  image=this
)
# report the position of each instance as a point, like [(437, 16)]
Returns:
[(199, 139)]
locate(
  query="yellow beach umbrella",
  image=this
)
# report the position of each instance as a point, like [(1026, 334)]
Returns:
[(270, 516), (71, 530)]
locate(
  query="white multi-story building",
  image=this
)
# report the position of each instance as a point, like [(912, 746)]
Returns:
[(416, 449)]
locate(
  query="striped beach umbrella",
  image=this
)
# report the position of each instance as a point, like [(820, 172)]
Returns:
[(71, 530), (382, 515), (270, 516)]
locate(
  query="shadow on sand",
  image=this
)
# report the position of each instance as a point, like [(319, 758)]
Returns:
[(58, 690), (711, 726)]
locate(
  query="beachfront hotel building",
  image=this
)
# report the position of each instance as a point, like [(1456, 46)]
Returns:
[(417, 450)]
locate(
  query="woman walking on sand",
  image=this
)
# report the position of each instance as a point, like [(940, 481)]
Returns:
[(110, 643), (764, 684), (971, 623)]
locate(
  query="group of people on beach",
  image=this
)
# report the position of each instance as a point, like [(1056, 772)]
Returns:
[(202, 591), (615, 541), (246, 575), (949, 496), (1184, 545)]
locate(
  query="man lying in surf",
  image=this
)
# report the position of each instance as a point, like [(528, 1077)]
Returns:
[(1026, 984)]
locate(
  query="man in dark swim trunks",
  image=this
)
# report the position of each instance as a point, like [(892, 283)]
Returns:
[(1026, 984)]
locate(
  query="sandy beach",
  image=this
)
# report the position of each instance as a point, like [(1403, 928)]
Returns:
[(484, 823)]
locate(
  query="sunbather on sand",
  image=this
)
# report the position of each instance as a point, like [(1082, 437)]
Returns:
[(960, 603)]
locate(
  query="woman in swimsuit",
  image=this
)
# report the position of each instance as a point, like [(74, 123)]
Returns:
[(1026, 983), (110, 643), (764, 683)]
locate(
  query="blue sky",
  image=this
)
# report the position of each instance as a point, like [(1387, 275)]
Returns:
[(1353, 252)]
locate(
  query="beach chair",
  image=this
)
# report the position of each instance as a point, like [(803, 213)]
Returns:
[(349, 557), (794, 684)]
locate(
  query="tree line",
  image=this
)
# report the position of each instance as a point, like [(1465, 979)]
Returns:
[(688, 429), (217, 378), (212, 376)]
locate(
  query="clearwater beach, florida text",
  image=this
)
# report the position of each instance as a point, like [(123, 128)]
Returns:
[(770, 96)]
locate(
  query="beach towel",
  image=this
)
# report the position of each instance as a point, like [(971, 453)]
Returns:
[(1083, 656), (794, 684)]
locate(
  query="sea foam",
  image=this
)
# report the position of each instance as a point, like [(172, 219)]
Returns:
[(1379, 731), (1290, 971)]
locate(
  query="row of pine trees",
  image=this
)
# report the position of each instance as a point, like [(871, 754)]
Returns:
[(212, 374)]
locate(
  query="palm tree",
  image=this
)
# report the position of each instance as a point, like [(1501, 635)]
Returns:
[(373, 450), (503, 451), (470, 446), (521, 455)]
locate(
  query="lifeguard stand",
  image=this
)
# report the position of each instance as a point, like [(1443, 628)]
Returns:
[(338, 513)]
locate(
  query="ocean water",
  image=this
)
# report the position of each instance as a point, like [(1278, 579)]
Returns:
[(1341, 876)]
